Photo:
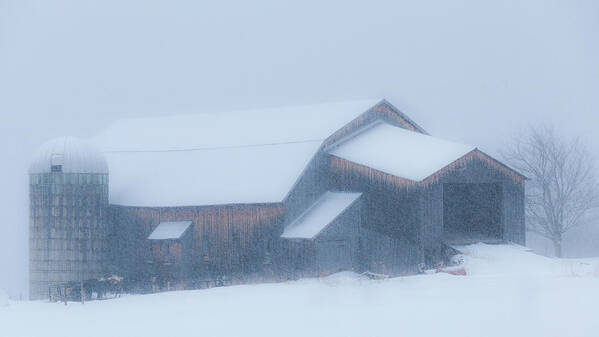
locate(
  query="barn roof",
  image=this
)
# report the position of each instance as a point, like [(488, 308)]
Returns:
[(400, 152), (252, 156), (316, 218), (169, 230)]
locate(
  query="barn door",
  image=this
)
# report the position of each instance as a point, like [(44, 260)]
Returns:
[(333, 256)]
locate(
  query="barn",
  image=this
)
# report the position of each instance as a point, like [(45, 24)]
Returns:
[(283, 193)]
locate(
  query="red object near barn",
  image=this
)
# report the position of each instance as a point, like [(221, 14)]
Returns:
[(459, 271)]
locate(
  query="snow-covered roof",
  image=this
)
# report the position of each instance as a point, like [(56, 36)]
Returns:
[(231, 129), (207, 177), (169, 230), (72, 154), (326, 209), (400, 152), (252, 156)]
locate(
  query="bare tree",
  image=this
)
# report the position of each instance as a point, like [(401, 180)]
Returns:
[(563, 187)]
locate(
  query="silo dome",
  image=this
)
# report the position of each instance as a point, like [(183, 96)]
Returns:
[(68, 155)]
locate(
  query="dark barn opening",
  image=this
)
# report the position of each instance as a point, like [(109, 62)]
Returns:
[(472, 212)]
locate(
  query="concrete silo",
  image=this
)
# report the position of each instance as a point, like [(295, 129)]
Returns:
[(68, 226)]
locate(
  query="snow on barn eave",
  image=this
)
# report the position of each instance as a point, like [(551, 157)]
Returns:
[(399, 152), (171, 230), (404, 116), (321, 214), (502, 164), (247, 157)]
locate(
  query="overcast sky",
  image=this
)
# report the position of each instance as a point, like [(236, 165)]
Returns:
[(469, 71)]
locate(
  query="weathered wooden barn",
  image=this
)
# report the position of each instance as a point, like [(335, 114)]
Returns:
[(303, 191)]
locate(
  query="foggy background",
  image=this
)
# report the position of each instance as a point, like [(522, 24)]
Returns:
[(465, 71)]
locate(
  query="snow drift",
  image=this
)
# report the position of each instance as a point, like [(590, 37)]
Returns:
[(508, 292)]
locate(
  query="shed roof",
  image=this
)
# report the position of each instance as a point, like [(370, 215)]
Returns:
[(169, 230), (252, 156), (316, 218), (400, 152)]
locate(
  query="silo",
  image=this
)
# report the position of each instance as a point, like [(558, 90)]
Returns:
[(68, 226)]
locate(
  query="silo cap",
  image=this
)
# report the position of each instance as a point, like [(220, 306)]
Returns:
[(68, 155)]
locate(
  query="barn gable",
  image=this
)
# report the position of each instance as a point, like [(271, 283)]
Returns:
[(476, 198), (397, 151), (482, 161), (383, 111)]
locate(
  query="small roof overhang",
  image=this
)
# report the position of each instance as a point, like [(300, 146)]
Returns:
[(172, 230), (316, 218)]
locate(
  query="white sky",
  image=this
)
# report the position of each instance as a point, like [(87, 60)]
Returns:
[(468, 71)]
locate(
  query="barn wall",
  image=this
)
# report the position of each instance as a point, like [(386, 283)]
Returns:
[(390, 204), (513, 213), (226, 240), (296, 259), (337, 244), (390, 219), (311, 185), (382, 254), (235, 238), (431, 216), (131, 251)]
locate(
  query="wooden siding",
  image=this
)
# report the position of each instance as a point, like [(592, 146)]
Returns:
[(337, 244), (296, 259), (235, 238), (310, 186), (390, 203), (513, 213), (226, 239), (383, 254), (478, 160), (348, 175), (431, 216), (390, 219)]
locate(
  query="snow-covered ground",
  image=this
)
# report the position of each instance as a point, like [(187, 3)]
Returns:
[(508, 292)]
